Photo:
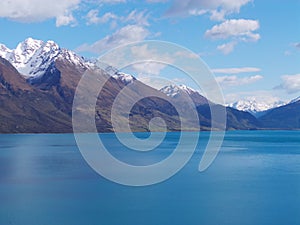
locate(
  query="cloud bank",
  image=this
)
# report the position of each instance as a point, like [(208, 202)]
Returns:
[(217, 9), (27, 11), (290, 83)]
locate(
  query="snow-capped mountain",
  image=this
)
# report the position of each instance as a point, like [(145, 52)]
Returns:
[(255, 107), (32, 57), (175, 91)]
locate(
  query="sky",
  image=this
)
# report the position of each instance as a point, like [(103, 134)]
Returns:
[(252, 46)]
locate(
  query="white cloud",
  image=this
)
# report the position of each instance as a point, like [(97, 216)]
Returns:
[(186, 54), (143, 52), (134, 17), (241, 29), (293, 47), (227, 47), (65, 20), (154, 67), (138, 18), (236, 70), (155, 82), (93, 18), (217, 15), (238, 30), (36, 10), (218, 9), (226, 81), (125, 35), (148, 68), (290, 83)]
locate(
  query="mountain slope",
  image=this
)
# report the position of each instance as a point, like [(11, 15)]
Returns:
[(284, 117), (24, 109), (236, 119), (46, 105)]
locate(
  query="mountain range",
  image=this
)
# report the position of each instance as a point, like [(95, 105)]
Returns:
[(38, 82), (256, 107)]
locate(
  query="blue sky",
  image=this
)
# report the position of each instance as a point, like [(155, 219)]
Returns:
[(253, 47)]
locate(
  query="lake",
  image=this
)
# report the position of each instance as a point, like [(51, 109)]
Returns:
[(255, 179)]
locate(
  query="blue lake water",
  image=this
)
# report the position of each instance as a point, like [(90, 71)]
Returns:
[(254, 180)]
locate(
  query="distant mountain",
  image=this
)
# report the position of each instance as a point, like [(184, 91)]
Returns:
[(235, 119), (255, 107), (284, 117)]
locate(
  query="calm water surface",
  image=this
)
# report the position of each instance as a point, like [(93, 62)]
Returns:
[(254, 180)]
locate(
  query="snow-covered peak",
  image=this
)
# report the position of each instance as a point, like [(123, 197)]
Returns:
[(124, 77), (28, 47), (187, 89), (255, 106), (173, 90), (24, 52), (50, 47), (73, 58), (3, 48), (178, 92), (4, 51), (32, 57)]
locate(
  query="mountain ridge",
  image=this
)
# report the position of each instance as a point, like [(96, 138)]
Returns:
[(177, 92), (38, 82), (256, 107)]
